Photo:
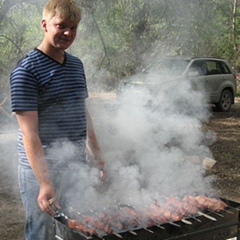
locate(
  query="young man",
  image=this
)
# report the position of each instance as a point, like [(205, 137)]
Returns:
[(48, 90)]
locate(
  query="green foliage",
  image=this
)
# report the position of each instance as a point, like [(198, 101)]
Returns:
[(19, 33), (118, 38)]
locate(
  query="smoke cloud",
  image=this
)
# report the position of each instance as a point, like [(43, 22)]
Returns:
[(150, 142)]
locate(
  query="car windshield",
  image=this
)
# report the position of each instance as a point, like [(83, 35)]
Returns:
[(168, 67)]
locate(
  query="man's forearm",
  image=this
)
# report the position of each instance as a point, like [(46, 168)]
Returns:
[(36, 156)]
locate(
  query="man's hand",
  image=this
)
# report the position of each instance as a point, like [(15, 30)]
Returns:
[(47, 200), (103, 171)]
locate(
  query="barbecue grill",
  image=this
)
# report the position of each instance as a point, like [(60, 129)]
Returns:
[(206, 225)]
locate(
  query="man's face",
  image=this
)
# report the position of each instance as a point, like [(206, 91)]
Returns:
[(60, 32)]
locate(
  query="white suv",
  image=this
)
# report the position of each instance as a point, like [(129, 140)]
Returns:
[(215, 75)]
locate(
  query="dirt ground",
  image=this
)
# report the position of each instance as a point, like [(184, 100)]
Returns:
[(226, 151)]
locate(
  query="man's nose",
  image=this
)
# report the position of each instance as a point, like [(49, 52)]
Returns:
[(67, 31)]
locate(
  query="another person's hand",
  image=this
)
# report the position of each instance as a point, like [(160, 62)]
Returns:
[(47, 200)]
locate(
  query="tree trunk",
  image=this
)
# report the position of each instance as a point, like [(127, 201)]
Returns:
[(234, 25)]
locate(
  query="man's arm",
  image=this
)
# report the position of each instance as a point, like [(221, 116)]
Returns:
[(92, 143), (28, 122)]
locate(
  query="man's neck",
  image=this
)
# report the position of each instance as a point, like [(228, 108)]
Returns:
[(56, 54)]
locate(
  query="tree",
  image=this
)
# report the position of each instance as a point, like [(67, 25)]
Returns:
[(118, 38), (18, 33)]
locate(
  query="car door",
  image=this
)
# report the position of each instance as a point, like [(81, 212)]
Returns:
[(214, 79), (197, 74), (210, 79)]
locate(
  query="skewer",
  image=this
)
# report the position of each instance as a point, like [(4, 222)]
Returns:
[(227, 211), (219, 214), (84, 236), (132, 232), (159, 226), (207, 216), (100, 237), (186, 221), (117, 235), (230, 211), (148, 230), (58, 238), (174, 224), (196, 219)]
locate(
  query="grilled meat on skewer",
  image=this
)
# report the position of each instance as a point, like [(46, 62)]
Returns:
[(211, 203), (98, 224), (127, 218), (163, 214), (75, 225), (112, 220)]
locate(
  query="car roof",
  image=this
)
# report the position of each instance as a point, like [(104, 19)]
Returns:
[(189, 58)]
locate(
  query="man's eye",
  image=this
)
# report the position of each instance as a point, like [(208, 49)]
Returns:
[(61, 26), (74, 29)]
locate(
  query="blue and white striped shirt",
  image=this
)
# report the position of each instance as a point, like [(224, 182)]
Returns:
[(56, 91)]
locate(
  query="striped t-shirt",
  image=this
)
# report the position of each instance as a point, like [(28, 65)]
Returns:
[(56, 91)]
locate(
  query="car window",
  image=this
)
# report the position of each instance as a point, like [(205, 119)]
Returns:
[(225, 68), (210, 67), (168, 67), (217, 67), (200, 66), (214, 67)]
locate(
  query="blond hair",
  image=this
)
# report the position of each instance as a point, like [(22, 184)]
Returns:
[(64, 8)]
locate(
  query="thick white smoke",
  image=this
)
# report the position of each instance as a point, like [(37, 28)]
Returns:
[(149, 142)]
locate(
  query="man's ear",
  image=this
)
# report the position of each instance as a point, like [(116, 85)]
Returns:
[(44, 25)]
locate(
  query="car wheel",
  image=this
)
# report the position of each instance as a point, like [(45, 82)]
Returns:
[(225, 102)]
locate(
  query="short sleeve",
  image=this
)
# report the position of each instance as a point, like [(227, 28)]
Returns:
[(24, 90)]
